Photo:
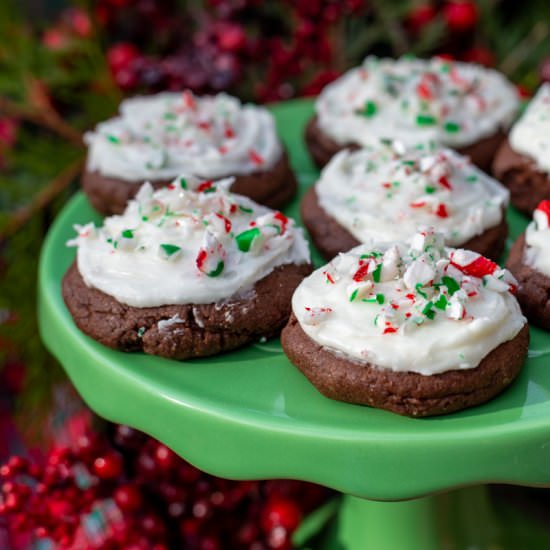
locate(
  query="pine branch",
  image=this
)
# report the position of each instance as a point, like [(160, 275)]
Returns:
[(514, 60), (41, 199), (45, 117)]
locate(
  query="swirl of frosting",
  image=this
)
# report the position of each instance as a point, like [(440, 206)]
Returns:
[(415, 100), (537, 239), (161, 136), (387, 192), (531, 133), (416, 307), (191, 242)]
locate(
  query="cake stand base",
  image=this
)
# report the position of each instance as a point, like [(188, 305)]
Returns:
[(407, 525)]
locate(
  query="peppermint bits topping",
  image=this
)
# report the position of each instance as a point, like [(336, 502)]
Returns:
[(541, 215), (403, 287)]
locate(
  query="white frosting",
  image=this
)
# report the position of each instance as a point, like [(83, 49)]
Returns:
[(164, 135), (416, 100), (537, 239), (419, 307), (531, 134), (190, 242), (387, 192)]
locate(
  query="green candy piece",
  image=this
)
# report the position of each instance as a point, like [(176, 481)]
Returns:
[(425, 120), (369, 110), (452, 127), (218, 270), (170, 249), (428, 311), (376, 273), (183, 183), (441, 302), (451, 284), (246, 238), (128, 233)]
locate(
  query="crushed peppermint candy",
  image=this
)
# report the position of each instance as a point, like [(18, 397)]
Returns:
[(386, 191), (162, 135), (171, 244), (414, 284)]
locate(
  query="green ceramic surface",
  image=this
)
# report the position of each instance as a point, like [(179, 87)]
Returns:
[(251, 414)]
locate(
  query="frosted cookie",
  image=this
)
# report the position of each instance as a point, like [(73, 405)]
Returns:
[(156, 138), (386, 192), (529, 261), (459, 105), (417, 329), (523, 161), (186, 271)]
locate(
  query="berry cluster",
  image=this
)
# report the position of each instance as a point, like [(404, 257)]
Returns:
[(130, 491)]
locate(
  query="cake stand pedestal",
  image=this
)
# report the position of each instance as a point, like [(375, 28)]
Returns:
[(250, 414)]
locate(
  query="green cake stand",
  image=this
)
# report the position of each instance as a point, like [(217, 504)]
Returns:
[(250, 414)]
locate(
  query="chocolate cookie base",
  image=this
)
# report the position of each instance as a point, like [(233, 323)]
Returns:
[(273, 188), (405, 393), (533, 292), (322, 147), (519, 173), (330, 237), (205, 329)]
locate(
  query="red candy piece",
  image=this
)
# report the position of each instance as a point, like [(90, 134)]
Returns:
[(255, 157), (226, 222), (204, 186), (478, 268), (442, 211), (445, 183), (361, 273), (544, 207), (283, 219)]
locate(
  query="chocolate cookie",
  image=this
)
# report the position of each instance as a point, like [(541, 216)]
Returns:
[(533, 291), (184, 331), (273, 188), (519, 173), (322, 148), (330, 238), (407, 393)]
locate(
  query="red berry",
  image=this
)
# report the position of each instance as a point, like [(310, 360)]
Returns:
[(164, 457), (231, 37), (126, 79), (79, 21), (279, 539), (202, 509), (121, 55), (108, 466), (210, 542), (128, 497), (523, 91), (460, 16), (153, 526), (189, 527), (55, 39), (281, 513), (189, 474), (480, 55), (18, 464), (419, 17)]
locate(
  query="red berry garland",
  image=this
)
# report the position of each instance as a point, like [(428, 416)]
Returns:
[(133, 492)]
